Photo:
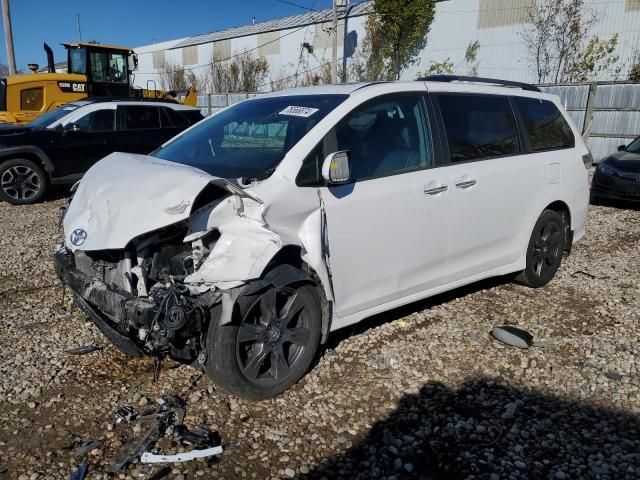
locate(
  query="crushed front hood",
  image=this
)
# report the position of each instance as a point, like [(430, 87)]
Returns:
[(125, 195)]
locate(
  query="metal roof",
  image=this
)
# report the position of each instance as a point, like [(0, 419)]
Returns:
[(284, 23)]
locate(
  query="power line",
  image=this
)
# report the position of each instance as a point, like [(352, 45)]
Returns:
[(311, 9)]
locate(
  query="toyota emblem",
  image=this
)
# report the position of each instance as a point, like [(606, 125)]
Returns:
[(78, 236)]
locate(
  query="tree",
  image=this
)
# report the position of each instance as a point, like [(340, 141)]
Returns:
[(439, 68), (397, 32), (4, 70), (242, 73), (176, 78), (559, 45), (471, 58), (634, 69)]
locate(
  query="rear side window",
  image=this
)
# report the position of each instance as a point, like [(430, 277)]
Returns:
[(171, 118), (545, 125), (138, 117), (478, 126)]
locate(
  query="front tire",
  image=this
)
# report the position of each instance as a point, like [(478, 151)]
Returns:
[(545, 250), (22, 181), (269, 345)]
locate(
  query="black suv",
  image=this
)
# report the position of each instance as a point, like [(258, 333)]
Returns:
[(60, 146)]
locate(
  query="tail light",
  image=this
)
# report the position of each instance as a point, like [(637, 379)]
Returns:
[(587, 159)]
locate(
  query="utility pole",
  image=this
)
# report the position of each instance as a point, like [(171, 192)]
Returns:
[(334, 32), (79, 31), (8, 37)]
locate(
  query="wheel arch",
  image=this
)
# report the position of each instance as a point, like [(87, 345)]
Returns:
[(286, 268), (563, 209), (30, 153)]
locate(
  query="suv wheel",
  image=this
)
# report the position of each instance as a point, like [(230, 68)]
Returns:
[(545, 250), (22, 181), (270, 346)]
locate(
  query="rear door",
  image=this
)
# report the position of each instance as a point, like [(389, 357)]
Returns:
[(492, 182), (139, 128), (388, 230)]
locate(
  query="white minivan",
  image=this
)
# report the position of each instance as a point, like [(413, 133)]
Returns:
[(241, 243)]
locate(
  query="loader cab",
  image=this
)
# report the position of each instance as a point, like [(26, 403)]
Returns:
[(106, 67)]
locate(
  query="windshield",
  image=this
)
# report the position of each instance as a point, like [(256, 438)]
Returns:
[(634, 147), (43, 121), (249, 139)]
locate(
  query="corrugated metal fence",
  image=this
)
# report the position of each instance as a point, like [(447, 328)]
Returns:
[(607, 113), (214, 102)]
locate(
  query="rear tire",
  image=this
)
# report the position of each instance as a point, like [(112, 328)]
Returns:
[(545, 250), (22, 181), (269, 345)]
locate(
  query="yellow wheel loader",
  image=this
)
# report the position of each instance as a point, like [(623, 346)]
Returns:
[(93, 70)]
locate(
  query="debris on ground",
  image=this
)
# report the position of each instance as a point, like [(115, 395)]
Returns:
[(166, 419), (125, 413), (513, 336), (148, 457), (80, 472), (85, 448), (85, 349)]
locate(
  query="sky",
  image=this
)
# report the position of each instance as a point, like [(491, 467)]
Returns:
[(130, 23)]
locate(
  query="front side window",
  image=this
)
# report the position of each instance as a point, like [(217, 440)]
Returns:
[(97, 121), (138, 117), (248, 140), (108, 67), (78, 57), (478, 126), (32, 99), (545, 125), (171, 118), (385, 138)]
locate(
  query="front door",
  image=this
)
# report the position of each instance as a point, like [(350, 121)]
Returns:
[(388, 230), (83, 141)]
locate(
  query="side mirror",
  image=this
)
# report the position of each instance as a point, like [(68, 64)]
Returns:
[(336, 169), (71, 127), (622, 148)]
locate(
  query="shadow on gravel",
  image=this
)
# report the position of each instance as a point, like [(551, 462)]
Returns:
[(376, 320), (617, 204), (486, 431)]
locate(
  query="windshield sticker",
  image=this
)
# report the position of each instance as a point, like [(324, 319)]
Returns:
[(304, 112)]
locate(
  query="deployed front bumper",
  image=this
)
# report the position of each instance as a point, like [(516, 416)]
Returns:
[(117, 313)]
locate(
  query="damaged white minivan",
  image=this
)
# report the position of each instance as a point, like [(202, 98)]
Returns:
[(240, 244)]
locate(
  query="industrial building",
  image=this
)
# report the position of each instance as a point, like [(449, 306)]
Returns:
[(302, 44)]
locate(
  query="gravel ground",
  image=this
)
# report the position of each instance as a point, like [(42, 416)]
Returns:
[(420, 392)]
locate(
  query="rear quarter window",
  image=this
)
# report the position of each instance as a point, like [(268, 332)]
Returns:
[(544, 124), (478, 126)]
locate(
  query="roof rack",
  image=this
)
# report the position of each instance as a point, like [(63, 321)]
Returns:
[(494, 81), (127, 99)]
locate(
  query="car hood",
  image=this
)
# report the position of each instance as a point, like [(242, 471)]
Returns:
[(14, 130), (627, 161), (125, 195)]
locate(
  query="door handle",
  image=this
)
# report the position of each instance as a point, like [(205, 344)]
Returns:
[(436, 190), (465, 183)]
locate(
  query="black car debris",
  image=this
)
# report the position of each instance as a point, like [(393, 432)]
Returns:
[(618, 176), (60, 146)]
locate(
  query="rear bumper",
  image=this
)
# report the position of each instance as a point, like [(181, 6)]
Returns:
[(116, 313)]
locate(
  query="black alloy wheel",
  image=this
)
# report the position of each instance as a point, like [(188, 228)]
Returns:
[(22, 182), (272, 345), (545, 250)]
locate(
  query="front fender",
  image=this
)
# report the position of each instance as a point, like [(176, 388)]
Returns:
[(12, 152)]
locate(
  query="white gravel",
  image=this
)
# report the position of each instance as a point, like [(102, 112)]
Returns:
[(420, 392)]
